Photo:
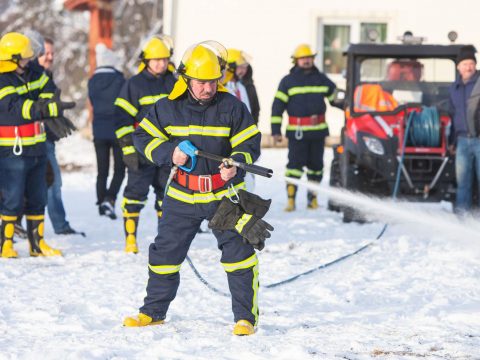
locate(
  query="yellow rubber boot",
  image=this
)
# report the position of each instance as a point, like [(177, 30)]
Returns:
[(312, 202), (140, 320), (35, 231), (243, 327), (6, 243), (131, 224), (291, 193)]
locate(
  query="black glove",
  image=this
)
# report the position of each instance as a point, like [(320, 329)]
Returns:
[(130, 156), (52, 108), (61, 126), (231, 216), (253, 204)]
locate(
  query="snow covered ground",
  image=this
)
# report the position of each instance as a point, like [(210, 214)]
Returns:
[(409, 296)]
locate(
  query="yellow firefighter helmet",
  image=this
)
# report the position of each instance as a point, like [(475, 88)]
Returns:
[(13, 47), (302, 50), (158, 47)]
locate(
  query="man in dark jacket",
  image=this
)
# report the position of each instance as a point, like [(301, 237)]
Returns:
[(302, 93), (103, 88), (153, 82), (465, 98), (199, 112)]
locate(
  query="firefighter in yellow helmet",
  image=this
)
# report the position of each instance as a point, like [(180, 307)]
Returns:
[(199, 112), (302, 93), (27, 95), (153, 82)]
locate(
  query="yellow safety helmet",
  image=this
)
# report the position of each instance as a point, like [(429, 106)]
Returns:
[(235, 58), (205, 61), (301, 51), (13, 47), (158, 47)]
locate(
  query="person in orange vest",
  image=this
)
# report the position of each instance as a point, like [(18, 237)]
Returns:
[(302, 93), (27, 95)]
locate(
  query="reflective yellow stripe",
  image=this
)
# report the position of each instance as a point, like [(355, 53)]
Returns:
[(294, 173), (245, 264), (148, 100), (26, 107), (219, 131), (331, 97), (45, 95), (8, 218), (308, 127), (201, 198), (244, 135), (26, 141), (255, 286), (34, 85), (248, 157), (53, 110), (152, 145), (124, 131), (127, 150), (152, 129), (165, 269), (307, 90), (125, 105), (7, 90), (276, 119), (242, 222), (35, 217), (281, 96), (313, 172)]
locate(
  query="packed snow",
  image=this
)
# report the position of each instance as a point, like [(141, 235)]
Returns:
[(411, 294)]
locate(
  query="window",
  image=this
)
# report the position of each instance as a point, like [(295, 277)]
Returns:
[(335, 36)]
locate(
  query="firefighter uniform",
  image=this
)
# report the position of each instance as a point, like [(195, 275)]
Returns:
[(23, 159), (137, 95), (224, 127), (302, 93)]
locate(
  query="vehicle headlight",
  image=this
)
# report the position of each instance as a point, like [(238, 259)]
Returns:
[(374, 145)]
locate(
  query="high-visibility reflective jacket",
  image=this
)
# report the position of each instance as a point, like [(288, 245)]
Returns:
[(224, 127), (138, 94), (20, 133), (302, 93)]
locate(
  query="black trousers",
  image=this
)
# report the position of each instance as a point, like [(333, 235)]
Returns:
[(103, 148)]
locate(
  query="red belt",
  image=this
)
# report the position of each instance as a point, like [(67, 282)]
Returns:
[(201, 183), (306, 120), (26, 130)]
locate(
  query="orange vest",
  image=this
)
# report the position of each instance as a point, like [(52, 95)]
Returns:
[(372, 97)]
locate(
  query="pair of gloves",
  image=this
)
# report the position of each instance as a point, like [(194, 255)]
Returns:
[(244, 217), (52, 111)]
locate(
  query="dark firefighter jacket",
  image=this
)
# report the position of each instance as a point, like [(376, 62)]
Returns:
[(302, 93), (223, 127), (138, 94), (247, 81), (20, 129)]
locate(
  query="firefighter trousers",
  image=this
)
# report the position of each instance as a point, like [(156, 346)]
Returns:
[(177, 229), (138, 184), (306, 153)]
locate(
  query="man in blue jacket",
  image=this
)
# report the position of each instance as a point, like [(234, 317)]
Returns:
[(103, 88), (465, 97), (302, 93)]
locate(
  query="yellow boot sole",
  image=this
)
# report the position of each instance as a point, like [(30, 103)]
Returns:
[(140, 320), (243, 328)]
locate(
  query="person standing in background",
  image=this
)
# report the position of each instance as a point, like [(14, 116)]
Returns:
[(56, 210), (103, 88), (244, 73)]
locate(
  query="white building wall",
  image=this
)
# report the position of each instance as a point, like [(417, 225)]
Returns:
[(269, 30)]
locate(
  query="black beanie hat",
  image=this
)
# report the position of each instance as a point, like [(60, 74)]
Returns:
[(466, 53)]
